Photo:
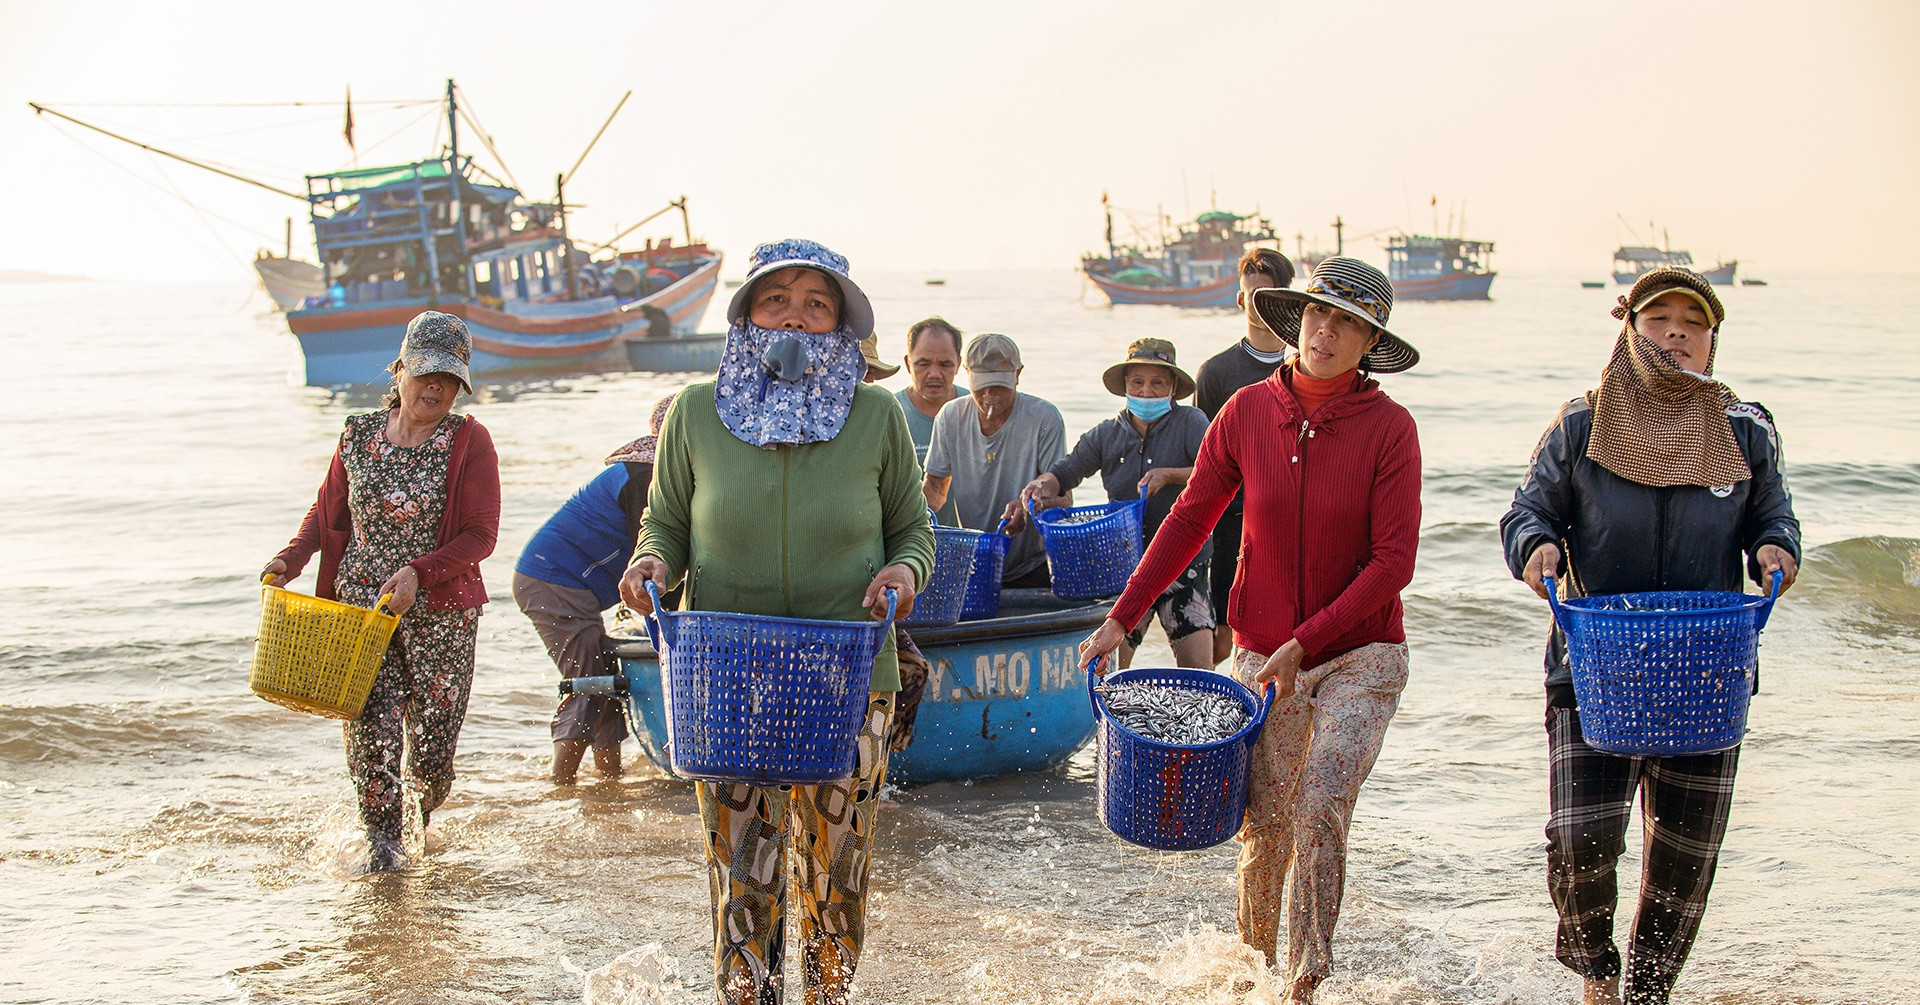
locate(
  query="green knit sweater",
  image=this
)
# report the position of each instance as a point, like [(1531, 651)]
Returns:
[(792, 531)]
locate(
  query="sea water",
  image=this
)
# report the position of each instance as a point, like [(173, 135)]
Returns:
[(166, 836)]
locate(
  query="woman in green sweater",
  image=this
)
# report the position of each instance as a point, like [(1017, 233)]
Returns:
[(787, 487)]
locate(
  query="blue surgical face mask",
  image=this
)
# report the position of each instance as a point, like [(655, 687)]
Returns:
[(1149, 409)]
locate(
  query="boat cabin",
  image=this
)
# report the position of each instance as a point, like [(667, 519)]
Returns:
[(1414, 257)]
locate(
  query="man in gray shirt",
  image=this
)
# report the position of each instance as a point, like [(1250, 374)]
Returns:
[(987, 445)]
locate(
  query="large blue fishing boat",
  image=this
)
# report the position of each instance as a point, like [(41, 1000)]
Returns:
[(429, 234), (1439, 268), (1197, 268), (1005, 694)]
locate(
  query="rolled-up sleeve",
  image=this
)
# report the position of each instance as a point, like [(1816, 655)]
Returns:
[(666, 527)]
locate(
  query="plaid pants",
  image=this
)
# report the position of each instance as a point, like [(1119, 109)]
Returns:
[(748, 828), (1684, 806)]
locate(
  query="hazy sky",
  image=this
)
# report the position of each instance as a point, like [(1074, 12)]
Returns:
[(981, 135)]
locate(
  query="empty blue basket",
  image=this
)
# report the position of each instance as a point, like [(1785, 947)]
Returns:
[(1167, 796), (764, 700), (1663, 674), (983, 582), (1092, 560), (944, 598)]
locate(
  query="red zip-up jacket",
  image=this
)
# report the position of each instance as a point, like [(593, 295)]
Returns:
[(450, 573), (1332, 519)]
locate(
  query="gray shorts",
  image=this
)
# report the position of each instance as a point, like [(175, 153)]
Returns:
[(568, 620), (1184, 608)]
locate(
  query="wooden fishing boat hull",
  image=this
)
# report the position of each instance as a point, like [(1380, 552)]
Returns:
[(1722, 273), (354, 343), (288, 281), (1218, 294), (1005, 694), (1459, 286)]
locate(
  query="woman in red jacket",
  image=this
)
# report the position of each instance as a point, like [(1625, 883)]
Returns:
[(410, 506), (1331, 469)]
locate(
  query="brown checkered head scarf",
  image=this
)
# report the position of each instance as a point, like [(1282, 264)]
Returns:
[(1653, 422)]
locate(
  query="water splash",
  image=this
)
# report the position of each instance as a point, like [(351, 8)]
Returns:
[(642, 976)]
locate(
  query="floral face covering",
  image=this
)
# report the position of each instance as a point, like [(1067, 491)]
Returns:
[(785, 386)]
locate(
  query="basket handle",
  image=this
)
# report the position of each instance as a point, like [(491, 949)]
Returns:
[(1260, 717), (382, 602), (893, 601), (1766, 611), (1553, 600), (1002, 529), (655, 625), (1093, 695)]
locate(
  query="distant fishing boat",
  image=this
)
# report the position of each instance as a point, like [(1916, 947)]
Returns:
[(1630, 261), (1593, 284), (1197, 268), (1750, 281), (1439, 268), (936, 282), (1006, 694)]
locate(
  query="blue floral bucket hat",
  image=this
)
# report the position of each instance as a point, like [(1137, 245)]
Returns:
[(1348, 284), (772, 257)]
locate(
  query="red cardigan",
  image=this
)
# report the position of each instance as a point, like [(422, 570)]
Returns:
[(450, 574), (1332, 519)]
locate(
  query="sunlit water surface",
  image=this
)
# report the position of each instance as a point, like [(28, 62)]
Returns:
[(165, 836)]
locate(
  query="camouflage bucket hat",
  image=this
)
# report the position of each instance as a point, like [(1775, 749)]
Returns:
[(437, 343)]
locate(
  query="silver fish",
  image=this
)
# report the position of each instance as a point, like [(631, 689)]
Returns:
[(1174, 715)]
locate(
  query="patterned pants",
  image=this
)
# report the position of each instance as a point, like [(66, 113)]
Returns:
[(1684, 808), (1316, 750), (747, 835), (418, 702)]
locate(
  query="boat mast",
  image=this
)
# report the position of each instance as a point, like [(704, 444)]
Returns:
[(569, 269), (1339, 236)]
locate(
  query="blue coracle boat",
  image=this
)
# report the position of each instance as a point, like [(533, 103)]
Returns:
[(1004, 695)]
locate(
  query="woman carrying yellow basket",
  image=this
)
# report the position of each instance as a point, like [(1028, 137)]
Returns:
[(410, 505)]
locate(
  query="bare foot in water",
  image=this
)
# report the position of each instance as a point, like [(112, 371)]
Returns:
[(1301, 991), (1605, 992)]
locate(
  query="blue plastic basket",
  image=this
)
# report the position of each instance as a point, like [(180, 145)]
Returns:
[(944, 598), (1663, 674), (1092, 560), (983, 581), (1168, 796), (763, 700)]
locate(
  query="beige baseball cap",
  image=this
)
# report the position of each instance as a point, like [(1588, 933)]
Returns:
[(993, 361)]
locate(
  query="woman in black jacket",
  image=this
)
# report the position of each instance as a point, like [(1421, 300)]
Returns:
[(1659, 479)]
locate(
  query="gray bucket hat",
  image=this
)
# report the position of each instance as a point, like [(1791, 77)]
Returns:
[(772, 257), (1353, 286), (437, 343)]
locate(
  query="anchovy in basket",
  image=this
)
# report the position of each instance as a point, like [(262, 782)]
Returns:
[(1175, 715), (1073, 518)]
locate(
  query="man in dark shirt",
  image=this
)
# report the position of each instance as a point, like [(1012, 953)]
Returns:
[(1249, 361)]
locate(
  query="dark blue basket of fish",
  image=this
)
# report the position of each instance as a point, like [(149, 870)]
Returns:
[(1663, 674), (1091, 550), (983, 580), (1173, 797), (944, 597), (763, 700)]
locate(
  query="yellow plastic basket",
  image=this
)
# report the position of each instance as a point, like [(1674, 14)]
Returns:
[(318, 656)]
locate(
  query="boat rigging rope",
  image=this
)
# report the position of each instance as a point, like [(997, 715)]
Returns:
[(410, 103), (486, 140)]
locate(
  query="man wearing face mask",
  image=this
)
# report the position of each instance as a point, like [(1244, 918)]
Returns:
[(1147, 450), (988, 444)]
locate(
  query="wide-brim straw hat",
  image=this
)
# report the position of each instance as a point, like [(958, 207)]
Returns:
[(1148, 352), (1348, 284), (877, 368), (774, 256)]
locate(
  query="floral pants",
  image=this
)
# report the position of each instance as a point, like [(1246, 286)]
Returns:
[(1316, 750), (418, 702), (748, 830)]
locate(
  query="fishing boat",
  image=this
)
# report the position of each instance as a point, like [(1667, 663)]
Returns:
[(429, 234), (1439, 268), (444, 234), (1197, 268), (1005, 694), (1630, 261)]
